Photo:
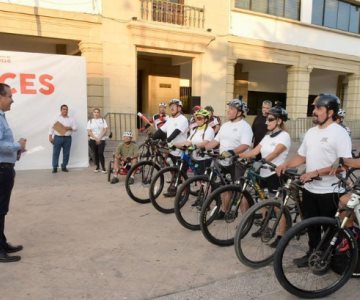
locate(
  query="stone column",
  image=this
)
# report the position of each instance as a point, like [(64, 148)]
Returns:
[(230, 79), (298, 83), (351, 103), (93, 54)]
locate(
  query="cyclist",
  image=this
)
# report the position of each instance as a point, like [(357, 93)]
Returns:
[(176, 128), (214, 121), (199, 137), (160, 118), (126, 152), (321, 146), (340, 120), (192, 122), (274, 147), (234, 137)]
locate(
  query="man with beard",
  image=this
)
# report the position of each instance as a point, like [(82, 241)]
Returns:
[(175, 128), (321, 146), (259, 126)]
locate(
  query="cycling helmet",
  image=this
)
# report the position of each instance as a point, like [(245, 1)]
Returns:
[(128, 134), (209, 108), (202, 112), (329, 101), (162, 104), (278, 112), (196, 108), (341, 113), (238, 104), (176, 101)]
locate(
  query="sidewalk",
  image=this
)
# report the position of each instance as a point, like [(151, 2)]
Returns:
[(85, 239)]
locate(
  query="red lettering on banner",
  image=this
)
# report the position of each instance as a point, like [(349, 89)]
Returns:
[(44, 80), (27, 83), (5, 76)]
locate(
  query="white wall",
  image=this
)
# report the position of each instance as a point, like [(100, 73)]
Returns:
[(273, 30), (85, 6)]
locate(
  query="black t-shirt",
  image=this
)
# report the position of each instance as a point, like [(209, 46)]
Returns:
[(259, 129)]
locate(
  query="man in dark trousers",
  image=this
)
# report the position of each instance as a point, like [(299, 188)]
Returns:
[(9, 153), (259, 126)]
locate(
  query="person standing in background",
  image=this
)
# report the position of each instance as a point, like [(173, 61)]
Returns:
[(97, 128), (60, 136), (9, 153), (259, 126)]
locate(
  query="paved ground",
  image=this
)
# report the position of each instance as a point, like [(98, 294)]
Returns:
[(85, 239)]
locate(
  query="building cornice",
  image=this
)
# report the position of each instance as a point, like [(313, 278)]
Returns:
[(167, 36)]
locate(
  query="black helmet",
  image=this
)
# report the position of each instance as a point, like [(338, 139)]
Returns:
[(329, 101), (278, 112), (209, 108)]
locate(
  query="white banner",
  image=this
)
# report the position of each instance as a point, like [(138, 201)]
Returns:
[(41, 83)]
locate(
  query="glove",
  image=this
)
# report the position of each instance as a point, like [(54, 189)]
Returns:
[(192, 148), (227, 154), (171, 146)]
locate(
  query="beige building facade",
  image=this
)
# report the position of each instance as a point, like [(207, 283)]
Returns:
[(143, 52)]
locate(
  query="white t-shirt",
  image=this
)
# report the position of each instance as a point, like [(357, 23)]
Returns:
[(197, 136), (233, 134), (97, 126), (181, 123), (268, 145), (67, 122), (321, 147)]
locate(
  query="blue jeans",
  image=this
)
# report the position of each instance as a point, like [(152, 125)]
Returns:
[(63, 142)]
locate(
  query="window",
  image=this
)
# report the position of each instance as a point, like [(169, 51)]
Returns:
[(336, 14), (282, 8)]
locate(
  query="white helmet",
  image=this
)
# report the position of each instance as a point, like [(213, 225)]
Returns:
[(341, 113), (162, 104), (128, 134), (176, 101)]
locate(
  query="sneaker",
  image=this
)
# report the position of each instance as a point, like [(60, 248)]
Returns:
[(54, 170), (96, 171), (257, 233), (303, 261), (220, 215), (131, 180), (104, 171), (275, 242), (171, 192), (114, 180)]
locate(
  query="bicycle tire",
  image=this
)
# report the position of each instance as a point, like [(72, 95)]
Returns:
[(290, 245), (255, 252), (164, 204), (147, 169), (187, 209), (211, 227)]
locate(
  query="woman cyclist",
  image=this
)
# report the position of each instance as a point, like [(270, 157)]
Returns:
[(274, 147), (199, 137)]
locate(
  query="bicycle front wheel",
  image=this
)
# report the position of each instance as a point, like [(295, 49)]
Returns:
[(222, 212), (255, 238), (313, 273), (189, 199), (163, 188), (142, 174)]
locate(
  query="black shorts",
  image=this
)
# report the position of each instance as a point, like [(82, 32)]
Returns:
[(272, 183), (235, 170)]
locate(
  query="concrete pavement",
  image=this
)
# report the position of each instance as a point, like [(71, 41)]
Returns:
[(85, 239)]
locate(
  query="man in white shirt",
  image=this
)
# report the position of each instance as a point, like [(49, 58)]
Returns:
[(321, 146), (60, 136)]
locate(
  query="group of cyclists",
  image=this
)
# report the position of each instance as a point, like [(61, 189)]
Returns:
[(325, 151)]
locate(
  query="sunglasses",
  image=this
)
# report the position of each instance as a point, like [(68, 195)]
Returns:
[(270, 119)]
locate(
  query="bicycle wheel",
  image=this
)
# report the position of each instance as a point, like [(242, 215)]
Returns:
[(222, 212), (163, 188), (142, 172), (258, 230), (110, 170), (313, 276), (189, 199)]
